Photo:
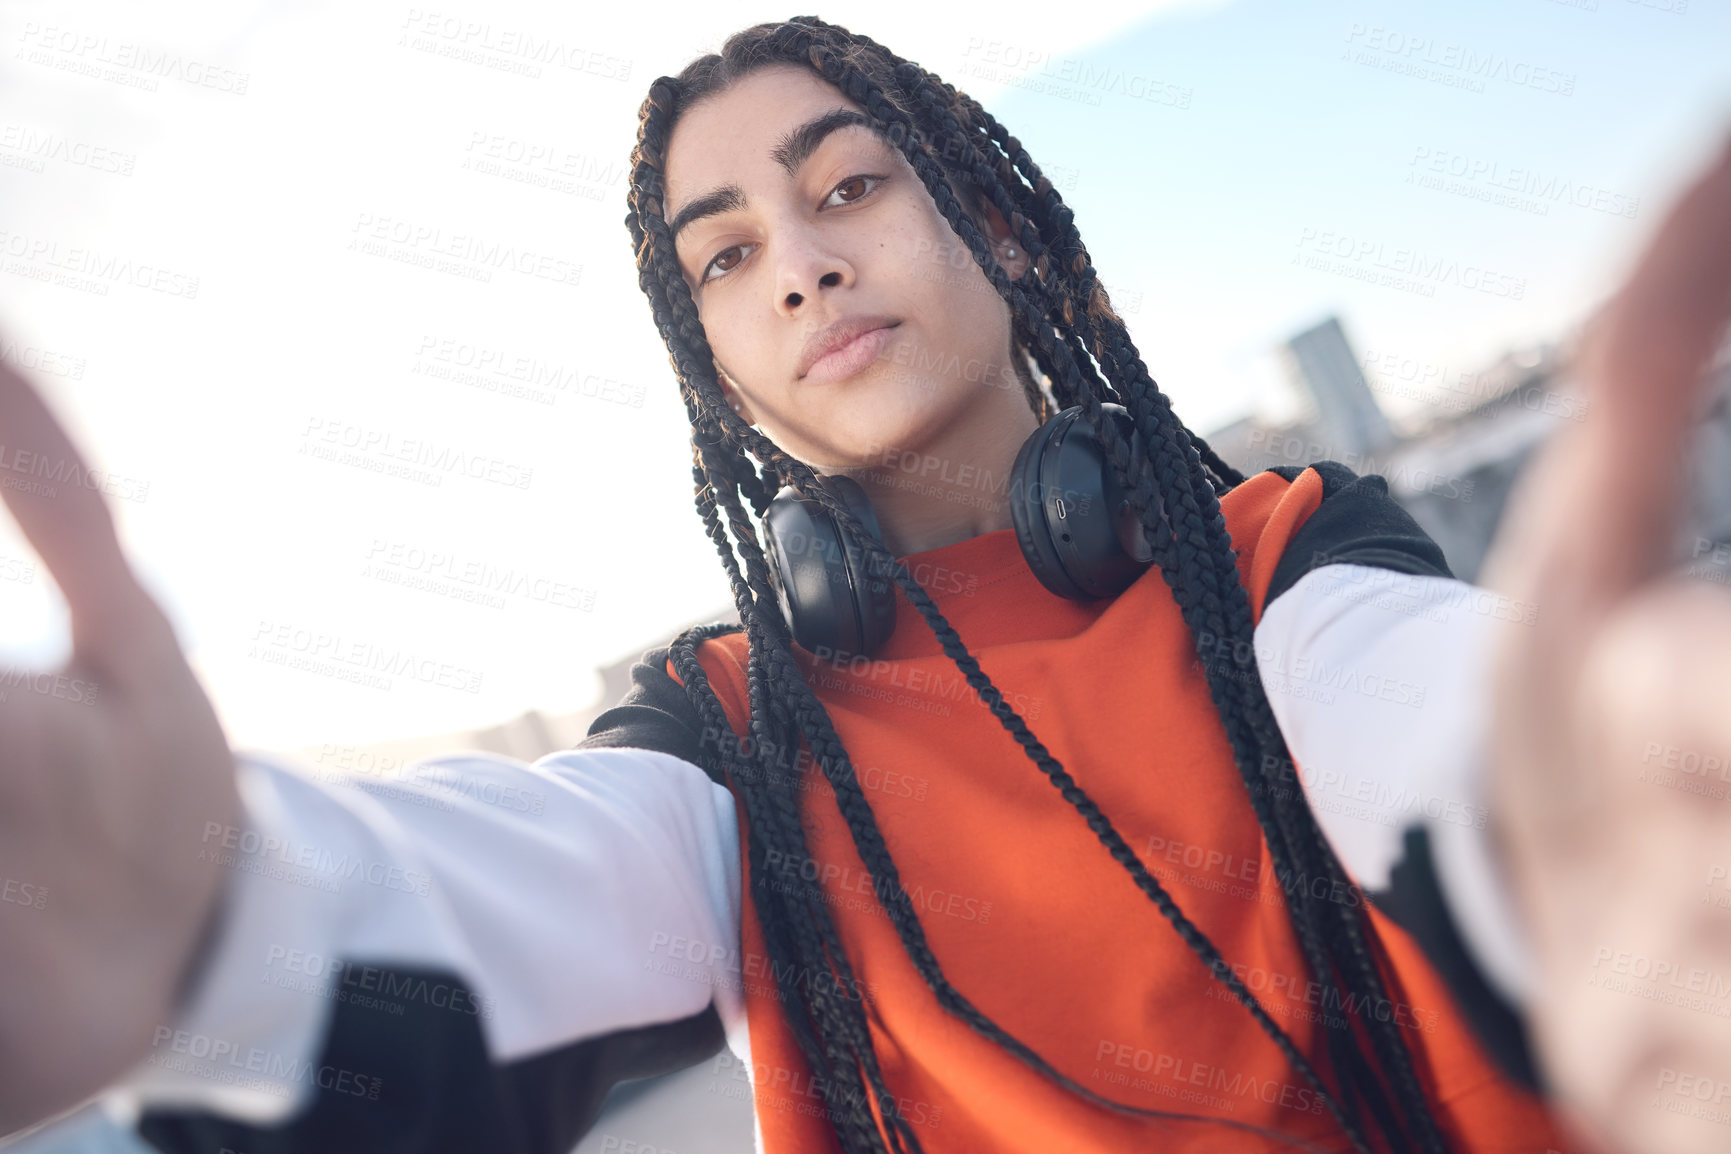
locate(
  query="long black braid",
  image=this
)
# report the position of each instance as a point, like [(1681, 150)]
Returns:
[(1061, 319)]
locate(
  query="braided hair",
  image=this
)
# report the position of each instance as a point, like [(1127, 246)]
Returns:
[(1062, 319)]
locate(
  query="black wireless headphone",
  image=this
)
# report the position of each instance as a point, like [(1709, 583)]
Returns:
[(1073, 522)]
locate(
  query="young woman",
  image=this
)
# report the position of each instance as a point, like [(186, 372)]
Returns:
[(999, 821)]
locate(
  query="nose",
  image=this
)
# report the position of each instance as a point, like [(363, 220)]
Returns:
[(806, 266)]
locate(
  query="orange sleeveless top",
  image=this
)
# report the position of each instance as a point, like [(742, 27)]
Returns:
[(1028, 914)]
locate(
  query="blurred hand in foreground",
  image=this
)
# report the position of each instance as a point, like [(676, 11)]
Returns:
[(110, 769), (1612, 728)]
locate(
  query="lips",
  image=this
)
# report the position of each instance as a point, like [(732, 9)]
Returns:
[(839, 338)]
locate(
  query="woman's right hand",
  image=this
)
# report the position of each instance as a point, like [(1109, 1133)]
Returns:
[(113, 772)]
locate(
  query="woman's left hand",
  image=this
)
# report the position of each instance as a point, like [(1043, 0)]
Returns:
[(1612, 728)]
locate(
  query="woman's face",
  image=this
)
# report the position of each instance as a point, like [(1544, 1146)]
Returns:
[(811, 228)]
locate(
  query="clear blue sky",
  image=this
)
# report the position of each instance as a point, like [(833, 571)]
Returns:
[(1202, 208)]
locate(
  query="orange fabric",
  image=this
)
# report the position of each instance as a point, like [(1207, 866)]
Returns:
[(1030, 917)]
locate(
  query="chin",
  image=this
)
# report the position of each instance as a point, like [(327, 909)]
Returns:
[(876, 414)]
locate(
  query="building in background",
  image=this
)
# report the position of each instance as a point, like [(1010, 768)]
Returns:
[(1347, 415), (1453, 465)]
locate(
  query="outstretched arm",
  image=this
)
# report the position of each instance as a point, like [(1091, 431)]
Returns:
[(269, 962), (1617, 863), (465, 958)]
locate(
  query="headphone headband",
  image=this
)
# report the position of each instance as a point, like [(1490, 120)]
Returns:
[(1073, 522)]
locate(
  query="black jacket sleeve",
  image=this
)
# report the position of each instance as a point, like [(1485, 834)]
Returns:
[(654, 714), (1358, 523)]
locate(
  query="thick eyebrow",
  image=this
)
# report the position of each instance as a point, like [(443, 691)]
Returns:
[(791, 152), (797, 146)]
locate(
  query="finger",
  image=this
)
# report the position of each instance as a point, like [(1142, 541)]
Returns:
[(1592, 516), (47, 487), (1645, 373)]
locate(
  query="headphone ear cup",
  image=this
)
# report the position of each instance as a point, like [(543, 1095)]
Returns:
[(872, 582), (1073, 520), (1028, 508), (830, 603)]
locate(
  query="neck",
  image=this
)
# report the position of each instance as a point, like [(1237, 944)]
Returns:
[(952, 487)]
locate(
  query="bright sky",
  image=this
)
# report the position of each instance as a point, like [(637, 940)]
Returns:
[(1238, 170)]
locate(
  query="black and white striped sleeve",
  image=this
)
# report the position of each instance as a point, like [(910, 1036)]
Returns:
[(465, 958), (1375, 661)]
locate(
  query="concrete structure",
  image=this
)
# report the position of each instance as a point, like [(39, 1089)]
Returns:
[(1453, 470), (1347, 415)]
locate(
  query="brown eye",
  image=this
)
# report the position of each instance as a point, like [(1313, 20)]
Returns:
[(725, 261), (854, 189)]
